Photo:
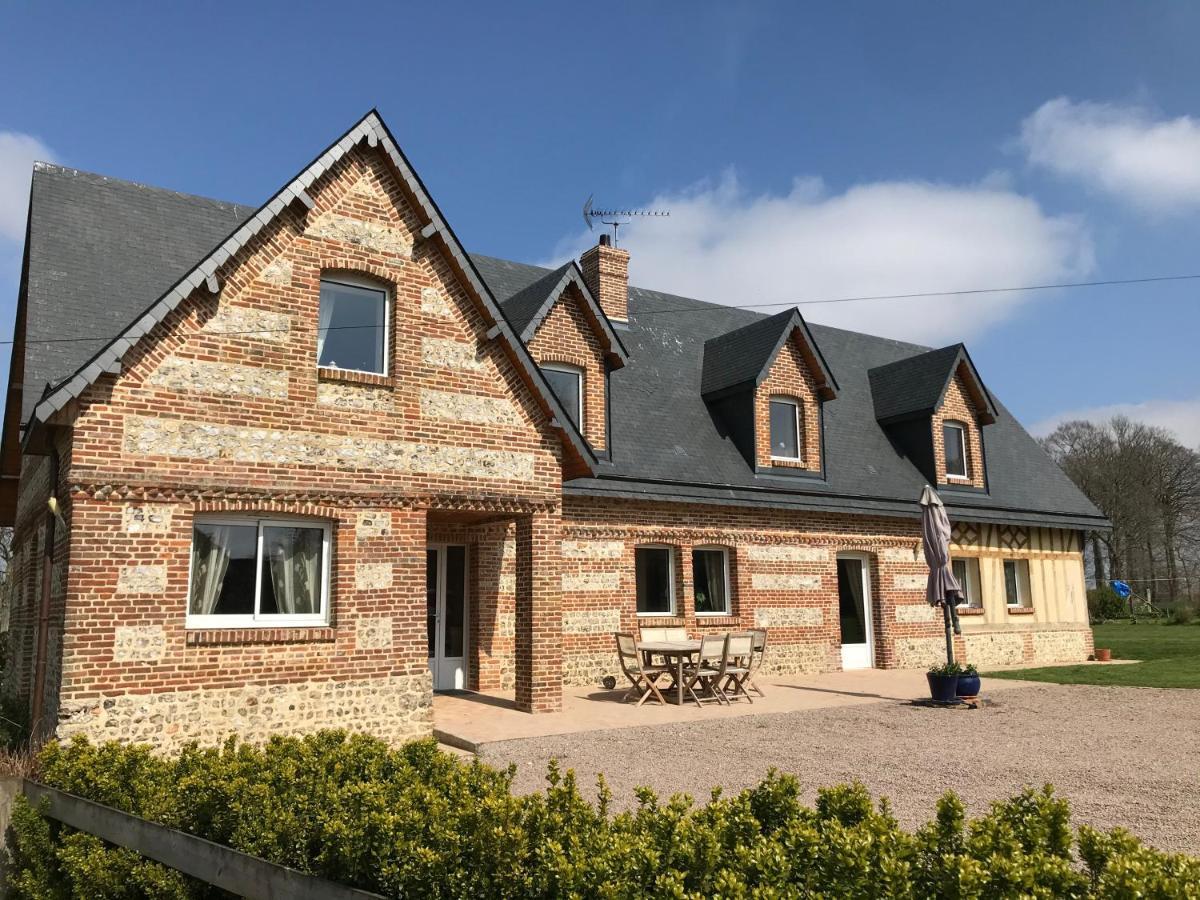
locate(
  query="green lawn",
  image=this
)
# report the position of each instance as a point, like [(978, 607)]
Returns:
[(1170, 657)]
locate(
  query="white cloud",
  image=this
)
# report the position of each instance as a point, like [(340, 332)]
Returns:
[(1180, 417), (1129, 152), (723, 244), (17, 153)]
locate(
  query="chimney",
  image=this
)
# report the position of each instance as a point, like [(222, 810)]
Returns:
[(606, 273)]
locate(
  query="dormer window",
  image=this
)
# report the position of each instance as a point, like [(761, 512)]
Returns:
[(954, 436), (567, 383), (786, 442), (352, 331)]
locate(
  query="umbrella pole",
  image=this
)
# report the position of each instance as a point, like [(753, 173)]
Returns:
[(949, 632)]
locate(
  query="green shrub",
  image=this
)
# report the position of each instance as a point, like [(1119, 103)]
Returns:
[(413, 822), (1104, 604), (1182, 613)]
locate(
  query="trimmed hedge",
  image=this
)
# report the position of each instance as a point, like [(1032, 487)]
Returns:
[(414, 822)]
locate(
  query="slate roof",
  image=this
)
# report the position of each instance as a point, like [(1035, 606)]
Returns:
[(102, 250), (526, 309), (741, 357)]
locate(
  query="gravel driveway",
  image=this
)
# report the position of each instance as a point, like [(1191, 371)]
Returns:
[(1122, 756)]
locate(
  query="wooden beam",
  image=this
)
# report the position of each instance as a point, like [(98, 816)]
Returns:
[(215, 864)]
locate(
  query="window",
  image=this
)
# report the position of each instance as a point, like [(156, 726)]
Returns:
[(954, 436), (710, 581), (966, 571), (785, 428), (248, 572), (352, 332), (1016, 582), (567, 384), (655, 569)]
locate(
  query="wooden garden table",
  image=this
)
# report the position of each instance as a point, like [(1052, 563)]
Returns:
[(677, 651)]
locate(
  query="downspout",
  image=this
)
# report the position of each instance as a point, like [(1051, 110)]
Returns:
[(43, 632)]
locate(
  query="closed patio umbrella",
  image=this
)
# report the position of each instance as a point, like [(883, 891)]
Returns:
[(942, 588)]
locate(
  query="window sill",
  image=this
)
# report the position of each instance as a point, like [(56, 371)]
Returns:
[(350, 376), (970, 611), (1020, 610), (787, 462), (659, 620), (230, 636), (712, 620)]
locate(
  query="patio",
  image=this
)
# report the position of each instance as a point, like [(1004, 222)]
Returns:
[(470, 720)]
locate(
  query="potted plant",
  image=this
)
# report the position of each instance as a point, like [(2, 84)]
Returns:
[(1103, 654), (968, 681), (943, 682)]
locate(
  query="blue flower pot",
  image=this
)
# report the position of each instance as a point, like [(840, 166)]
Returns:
[(968, 685), (942, 688)]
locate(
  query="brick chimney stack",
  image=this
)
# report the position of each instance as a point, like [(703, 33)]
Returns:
[(606, 273)]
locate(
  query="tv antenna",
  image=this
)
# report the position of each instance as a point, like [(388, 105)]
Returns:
[(615, 218)]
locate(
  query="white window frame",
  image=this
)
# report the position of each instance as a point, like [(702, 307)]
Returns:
[(350, 279), (971, 598), (724, 551), (256, 619), (673, 610), (1024, 601), (795, 405), (580, 374), (962, 435)]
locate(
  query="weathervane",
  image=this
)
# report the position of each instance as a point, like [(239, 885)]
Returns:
[(614, 217)]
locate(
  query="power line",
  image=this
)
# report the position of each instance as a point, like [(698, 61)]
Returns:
[(914, 296), (716, 307)]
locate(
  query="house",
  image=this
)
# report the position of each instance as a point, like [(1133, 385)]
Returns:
[(282, 468)]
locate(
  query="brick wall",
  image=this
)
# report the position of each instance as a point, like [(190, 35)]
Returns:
[(957, 407), (565, 336), (790, 378)]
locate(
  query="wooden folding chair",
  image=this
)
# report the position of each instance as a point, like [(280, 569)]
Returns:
[(737, 669), (642, 677), (674, 634), (759, 651), (709, 670)]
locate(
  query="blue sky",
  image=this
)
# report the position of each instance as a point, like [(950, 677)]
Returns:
[(806, 152)]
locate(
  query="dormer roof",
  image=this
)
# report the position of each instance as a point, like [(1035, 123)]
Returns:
[(913, 387), (741, 358), (528, 308)]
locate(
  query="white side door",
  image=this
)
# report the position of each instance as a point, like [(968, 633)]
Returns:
[(854, 610), (446, 606)]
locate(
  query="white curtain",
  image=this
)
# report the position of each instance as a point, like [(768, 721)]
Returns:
[(713, 563), (324, 318), (294, 556), (210, 562)]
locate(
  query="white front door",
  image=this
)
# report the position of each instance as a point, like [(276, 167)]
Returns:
[(446, 615), (854, 609)]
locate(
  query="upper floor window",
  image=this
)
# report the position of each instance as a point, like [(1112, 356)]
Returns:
[(268, 572), (710, 580), (655, 575), (954, 436), (785, 428), (352, 332), (567, 383)]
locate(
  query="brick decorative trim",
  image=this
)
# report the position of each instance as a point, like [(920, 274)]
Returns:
[(204, 495), (660, 621), (718, 622), (349, 376), (971, 611), (230, 636), (1020, 610)]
